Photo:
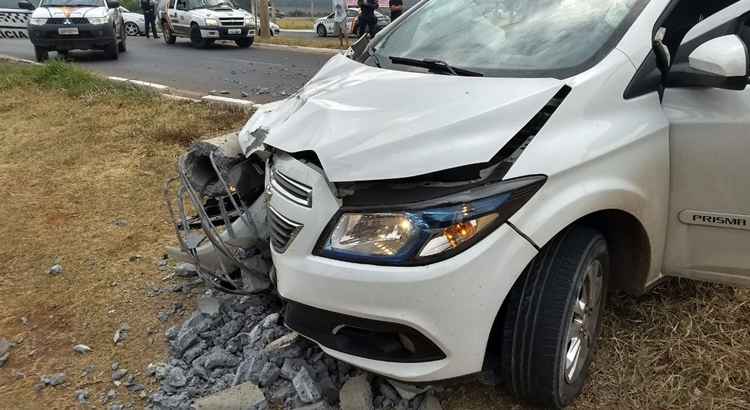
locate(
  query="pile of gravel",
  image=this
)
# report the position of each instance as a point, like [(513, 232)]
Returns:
[(233, 340)]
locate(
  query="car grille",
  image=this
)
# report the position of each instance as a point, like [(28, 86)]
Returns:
[(292, 190), (232, 21), (283, 230), (73, 20)]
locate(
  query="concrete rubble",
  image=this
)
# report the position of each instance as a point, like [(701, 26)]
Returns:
[(233, 353)]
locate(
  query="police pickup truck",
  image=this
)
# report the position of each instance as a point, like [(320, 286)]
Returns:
[(13, 21), (64, 25), (205, 21)]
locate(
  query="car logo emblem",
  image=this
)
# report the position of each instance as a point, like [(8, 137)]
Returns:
[(67, 21)]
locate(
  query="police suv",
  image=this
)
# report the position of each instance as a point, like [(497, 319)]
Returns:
[(205, 21), (64, 25), (13, 21)]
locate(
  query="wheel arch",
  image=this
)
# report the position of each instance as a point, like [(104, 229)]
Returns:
[(629, 249)]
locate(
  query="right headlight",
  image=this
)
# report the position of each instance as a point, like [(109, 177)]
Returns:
[(423, 233), (98, 20), (37, 21)]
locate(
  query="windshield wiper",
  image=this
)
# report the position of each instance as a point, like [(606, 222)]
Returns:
[(435, 65)]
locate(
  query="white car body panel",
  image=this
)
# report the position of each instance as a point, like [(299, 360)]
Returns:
[(327, 114), (135, 18)]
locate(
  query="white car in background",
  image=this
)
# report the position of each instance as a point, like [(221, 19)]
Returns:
[(324, 25), (135, 23), (275, 29)]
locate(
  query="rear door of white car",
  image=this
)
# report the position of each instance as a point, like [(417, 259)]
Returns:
[(709, 219)]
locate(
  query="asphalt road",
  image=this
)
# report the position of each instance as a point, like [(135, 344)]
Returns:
[(299, 33), (264, 74)]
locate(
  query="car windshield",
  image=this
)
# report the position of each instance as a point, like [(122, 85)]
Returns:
[(518, 38), (72, 3), (210, 4)]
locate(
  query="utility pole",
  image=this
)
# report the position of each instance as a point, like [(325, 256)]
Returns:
[(265, 30), (312, 8)]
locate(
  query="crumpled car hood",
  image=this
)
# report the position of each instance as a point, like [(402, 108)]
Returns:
[(366, 123)]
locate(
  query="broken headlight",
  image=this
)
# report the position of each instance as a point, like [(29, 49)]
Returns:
[(427, 232)]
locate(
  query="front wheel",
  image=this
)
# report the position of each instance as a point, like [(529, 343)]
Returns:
[(553, 319), (112, 51), (41, 54), (123, 46), (322, 32), (196, 39), (169, 38), (244, 42)]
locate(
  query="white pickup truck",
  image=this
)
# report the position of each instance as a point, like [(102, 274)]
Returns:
[(13, 20), (205, 21)]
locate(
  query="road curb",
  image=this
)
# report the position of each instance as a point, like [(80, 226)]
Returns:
[(18, 60), (316, 50)]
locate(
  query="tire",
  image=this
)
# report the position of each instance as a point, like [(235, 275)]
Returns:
[(41, 54), (245, 42), (196, 40), (169, 38), (132, 29), (123, 46), (322, 32), (559, 300), (112, 51)]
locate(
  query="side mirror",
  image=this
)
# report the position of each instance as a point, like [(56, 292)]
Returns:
[(723, 56), (718, 63), (25, 5), (113, 4)]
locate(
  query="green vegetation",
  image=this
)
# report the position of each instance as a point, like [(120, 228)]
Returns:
[(68, 78)]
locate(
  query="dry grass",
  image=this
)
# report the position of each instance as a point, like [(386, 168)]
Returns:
[(319, 42), (302, 23), (77, 153), (684, 345)]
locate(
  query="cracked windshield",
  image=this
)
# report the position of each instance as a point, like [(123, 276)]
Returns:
[(508, 35)]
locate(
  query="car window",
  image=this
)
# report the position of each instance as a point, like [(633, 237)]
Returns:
[(8, 4), (330, 16), (62, 3), (512, 38), (181, 5)]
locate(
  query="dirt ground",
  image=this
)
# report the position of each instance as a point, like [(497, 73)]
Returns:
[(80, 180)]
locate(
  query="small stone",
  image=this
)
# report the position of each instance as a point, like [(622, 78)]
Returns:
[(117, 407), (111, 395), (121, 333), (24, 321), (82, 349), (224, 92), (307, 390), (115, 366), (158, 370), (243, 396), (407, 391), (119, 374), (356, 394), (244, 94), (195, 351), (388, 391), (135, 387), (220, 358), (176, 377), (135, 258), (55, 270), (185, 340), (171, 333), (120, 222), (270, 320), (53, 379), (88, 370), (186, 270), (4, 351), (209, 305), (291, 367), (82, 395), (430, 403), (163, 316), (269, 374), (250, 369), (282, 343)]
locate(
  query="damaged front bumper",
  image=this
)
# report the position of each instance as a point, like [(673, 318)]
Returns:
[(217, 205)]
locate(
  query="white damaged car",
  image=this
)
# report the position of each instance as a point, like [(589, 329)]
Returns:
[(460, 194)]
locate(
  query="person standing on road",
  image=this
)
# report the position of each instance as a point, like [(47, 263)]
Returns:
[(149, 16), (397, 7), (339, 22), (367, 22)]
